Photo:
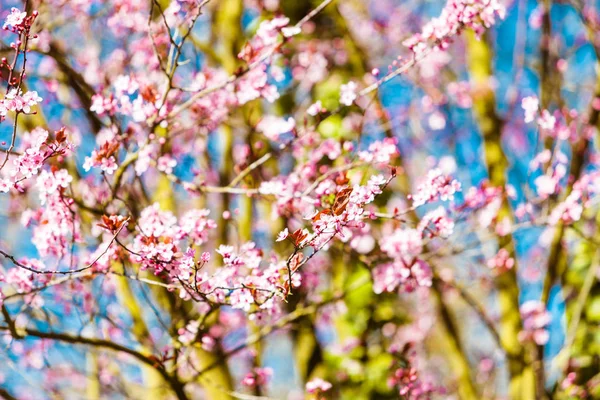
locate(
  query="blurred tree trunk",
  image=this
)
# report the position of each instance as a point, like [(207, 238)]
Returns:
[(522, 378)]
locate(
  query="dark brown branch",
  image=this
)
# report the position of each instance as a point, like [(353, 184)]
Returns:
[(147, 359)]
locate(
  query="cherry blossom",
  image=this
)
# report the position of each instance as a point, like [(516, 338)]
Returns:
[(348, 93), (501, 262), (535, 321), (273, 127), (318, 385), (435, 186), (197, 197), (14, 19), (546, 121), (530, 105)]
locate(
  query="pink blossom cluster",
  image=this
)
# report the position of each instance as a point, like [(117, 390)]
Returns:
[(343, 220), (406, 270), (456, 15), (245, 283), (291, 191), (24, 281), (273, 127), (188, 334), (104, 105), (317, 386), (572, 389), (380, 152), (549, 183), (215, 106), (530, 105), (309, 66), (212, 109), (481, 196), (461, 93), (436, 186), (546, 121), (242, 281), (501, 262), (103, 158), (266, 38), (535, 322), (568, 211), (157, 114), (348, 93), (20, 279), (436, 223), (17, 101), (37, 148), (559, 125), (571, 208), (254, 85), (16, 20), (160, 244), (257, 377), (410, 385), (130, 98), (128, 16), (55, 223)]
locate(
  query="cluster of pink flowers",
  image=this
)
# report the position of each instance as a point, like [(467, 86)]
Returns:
[(410, 385), (571, 209), (246, 284), (568, 211), (188, 334), (347, 212), (37, 147), (16, 21), (56, 225), (20, 279), (17, 101), (104, 105), (546, 121), (212, 109), (104, 158), (482, 196), (461, 93), (406, 270), (215, 106), (241, 282), (309, 66), (572, 389), (317, 386), (161, 239), (549, 184), (380, 152), (24, 281), (456, 15), (560, 125), (255, 84), (531, 105), (501, 262), (257, 377), (166, 163), (291, 191), (436, 186), (322, 178), (145, 103), (436, 223), (266, 38), (128, 16), (273, 127), (348, 93), (535, 322)]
